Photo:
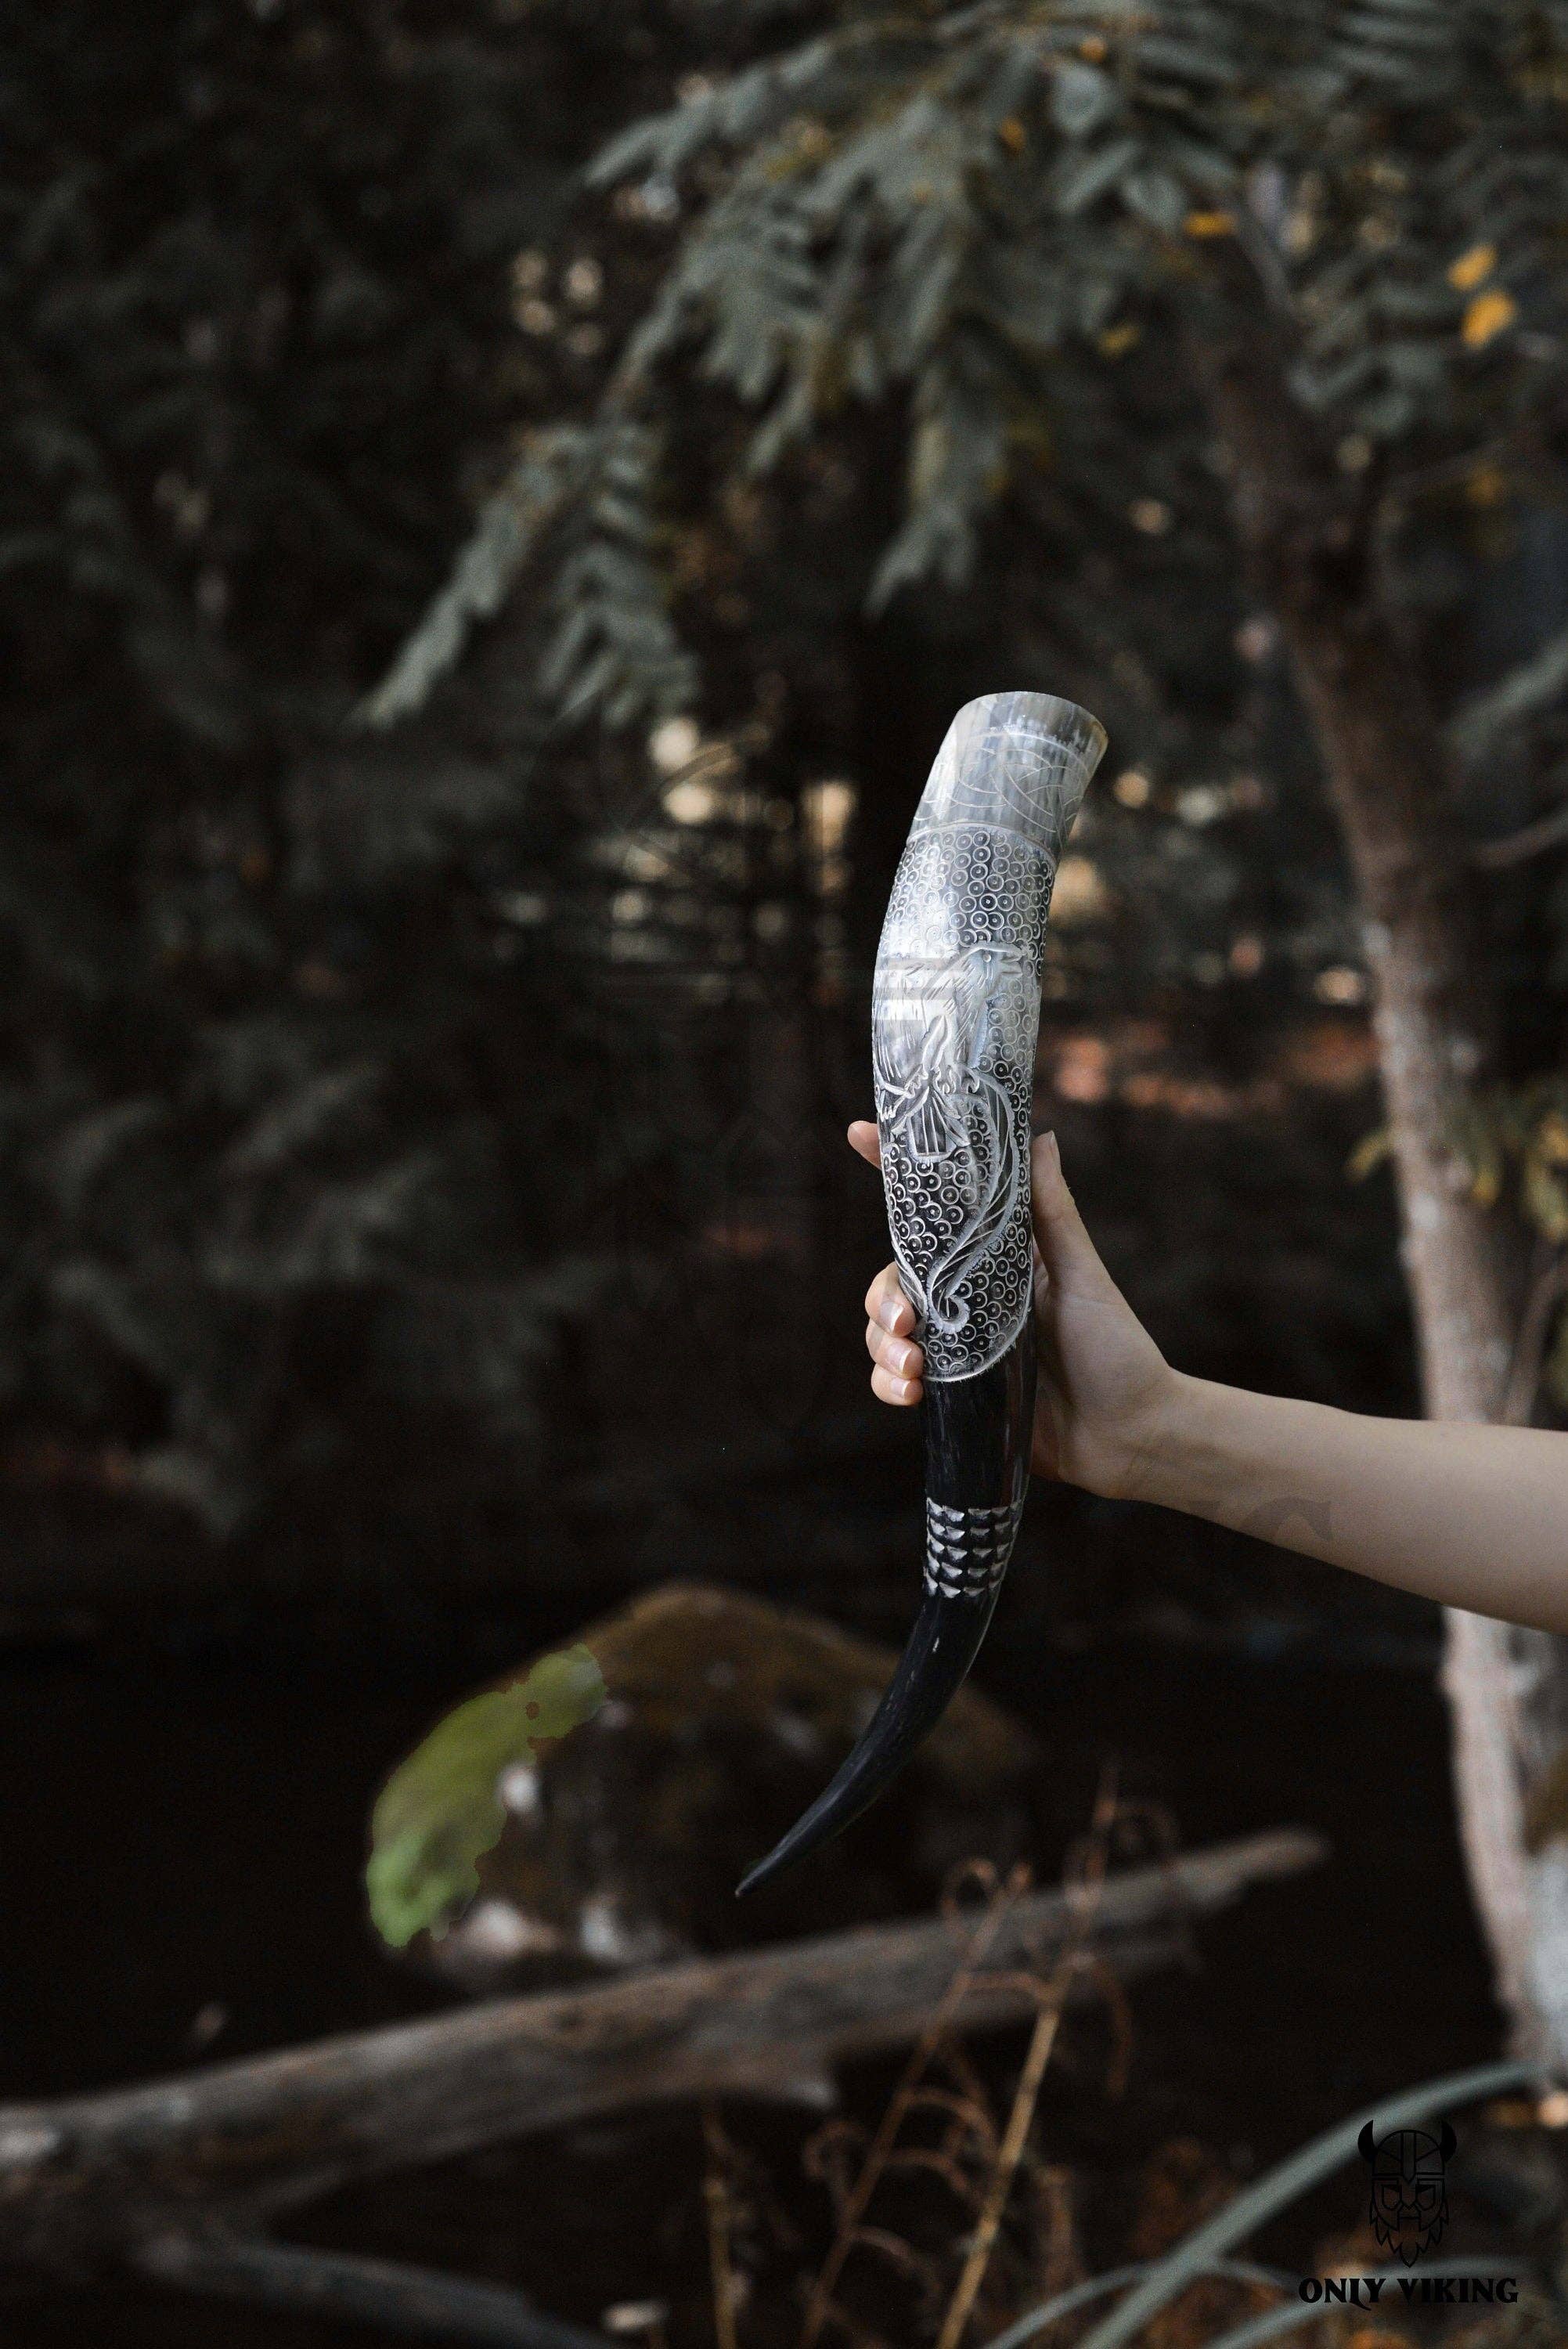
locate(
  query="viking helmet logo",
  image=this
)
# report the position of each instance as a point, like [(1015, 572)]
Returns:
[(1409, 2207)]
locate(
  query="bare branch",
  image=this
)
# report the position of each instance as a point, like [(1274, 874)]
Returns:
[(419, 2301), (1530, 840)]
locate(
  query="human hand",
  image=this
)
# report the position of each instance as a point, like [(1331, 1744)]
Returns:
[(1103, 1381)]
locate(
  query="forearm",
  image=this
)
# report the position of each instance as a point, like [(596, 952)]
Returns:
[(1474, 1517)]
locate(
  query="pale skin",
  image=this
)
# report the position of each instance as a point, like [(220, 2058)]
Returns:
[(1474, 1517)]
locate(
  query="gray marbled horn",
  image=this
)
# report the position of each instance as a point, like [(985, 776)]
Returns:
[(956, 1013)]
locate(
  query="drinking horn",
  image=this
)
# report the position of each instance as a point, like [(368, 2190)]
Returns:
[(955, 1010)]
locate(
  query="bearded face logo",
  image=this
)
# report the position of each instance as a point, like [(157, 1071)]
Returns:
[(1409, 2207)]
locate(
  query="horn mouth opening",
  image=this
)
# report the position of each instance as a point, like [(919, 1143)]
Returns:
[(945, 1642)]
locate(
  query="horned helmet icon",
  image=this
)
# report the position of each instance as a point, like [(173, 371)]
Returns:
[(1409, 2207)]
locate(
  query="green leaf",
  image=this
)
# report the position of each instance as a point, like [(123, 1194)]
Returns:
[(1084, 179), (1369, 1153), (1155, 197), (1545, 1197), (442, 1810), (1081, 99)]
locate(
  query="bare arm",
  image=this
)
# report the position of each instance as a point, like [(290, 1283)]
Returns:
[(1474, 1517)]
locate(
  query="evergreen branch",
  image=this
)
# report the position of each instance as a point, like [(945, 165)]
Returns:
[(509, 527)]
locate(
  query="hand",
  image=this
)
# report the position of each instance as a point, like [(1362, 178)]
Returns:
[(1103, 1381)]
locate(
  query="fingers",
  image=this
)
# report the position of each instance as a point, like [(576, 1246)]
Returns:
[(898, 1365), (1066, 1249), (900, 1392), (897, 1359), (887, 1304)]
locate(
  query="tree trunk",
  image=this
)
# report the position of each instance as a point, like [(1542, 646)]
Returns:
[(1308, 536)]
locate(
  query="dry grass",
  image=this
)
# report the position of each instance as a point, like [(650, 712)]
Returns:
[(939, 2122)]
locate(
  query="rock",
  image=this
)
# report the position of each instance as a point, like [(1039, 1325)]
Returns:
[(597, 1810)]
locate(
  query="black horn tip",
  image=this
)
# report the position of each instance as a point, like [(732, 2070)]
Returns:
[(942, 1645)]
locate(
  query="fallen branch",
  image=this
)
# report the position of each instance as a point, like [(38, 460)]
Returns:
[(85, 2181), (418, 2302)]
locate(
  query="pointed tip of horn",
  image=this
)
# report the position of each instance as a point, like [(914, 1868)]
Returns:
[(942, 1645), (761, 1870)]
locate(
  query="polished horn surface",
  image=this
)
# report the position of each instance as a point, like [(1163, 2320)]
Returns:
[(955, 1012)]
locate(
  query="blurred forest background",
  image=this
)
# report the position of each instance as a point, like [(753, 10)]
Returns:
[(422, 1158), (475, 626)]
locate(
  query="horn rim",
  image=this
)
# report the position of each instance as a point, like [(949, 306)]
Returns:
[(946, 1638)]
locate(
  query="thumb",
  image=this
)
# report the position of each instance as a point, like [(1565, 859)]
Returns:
[(1069, 1254)]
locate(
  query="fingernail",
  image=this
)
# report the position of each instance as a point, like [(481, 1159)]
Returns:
[(903, 1356), (889, 1311)]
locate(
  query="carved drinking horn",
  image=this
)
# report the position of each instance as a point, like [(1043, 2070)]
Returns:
[(955, 1012)]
